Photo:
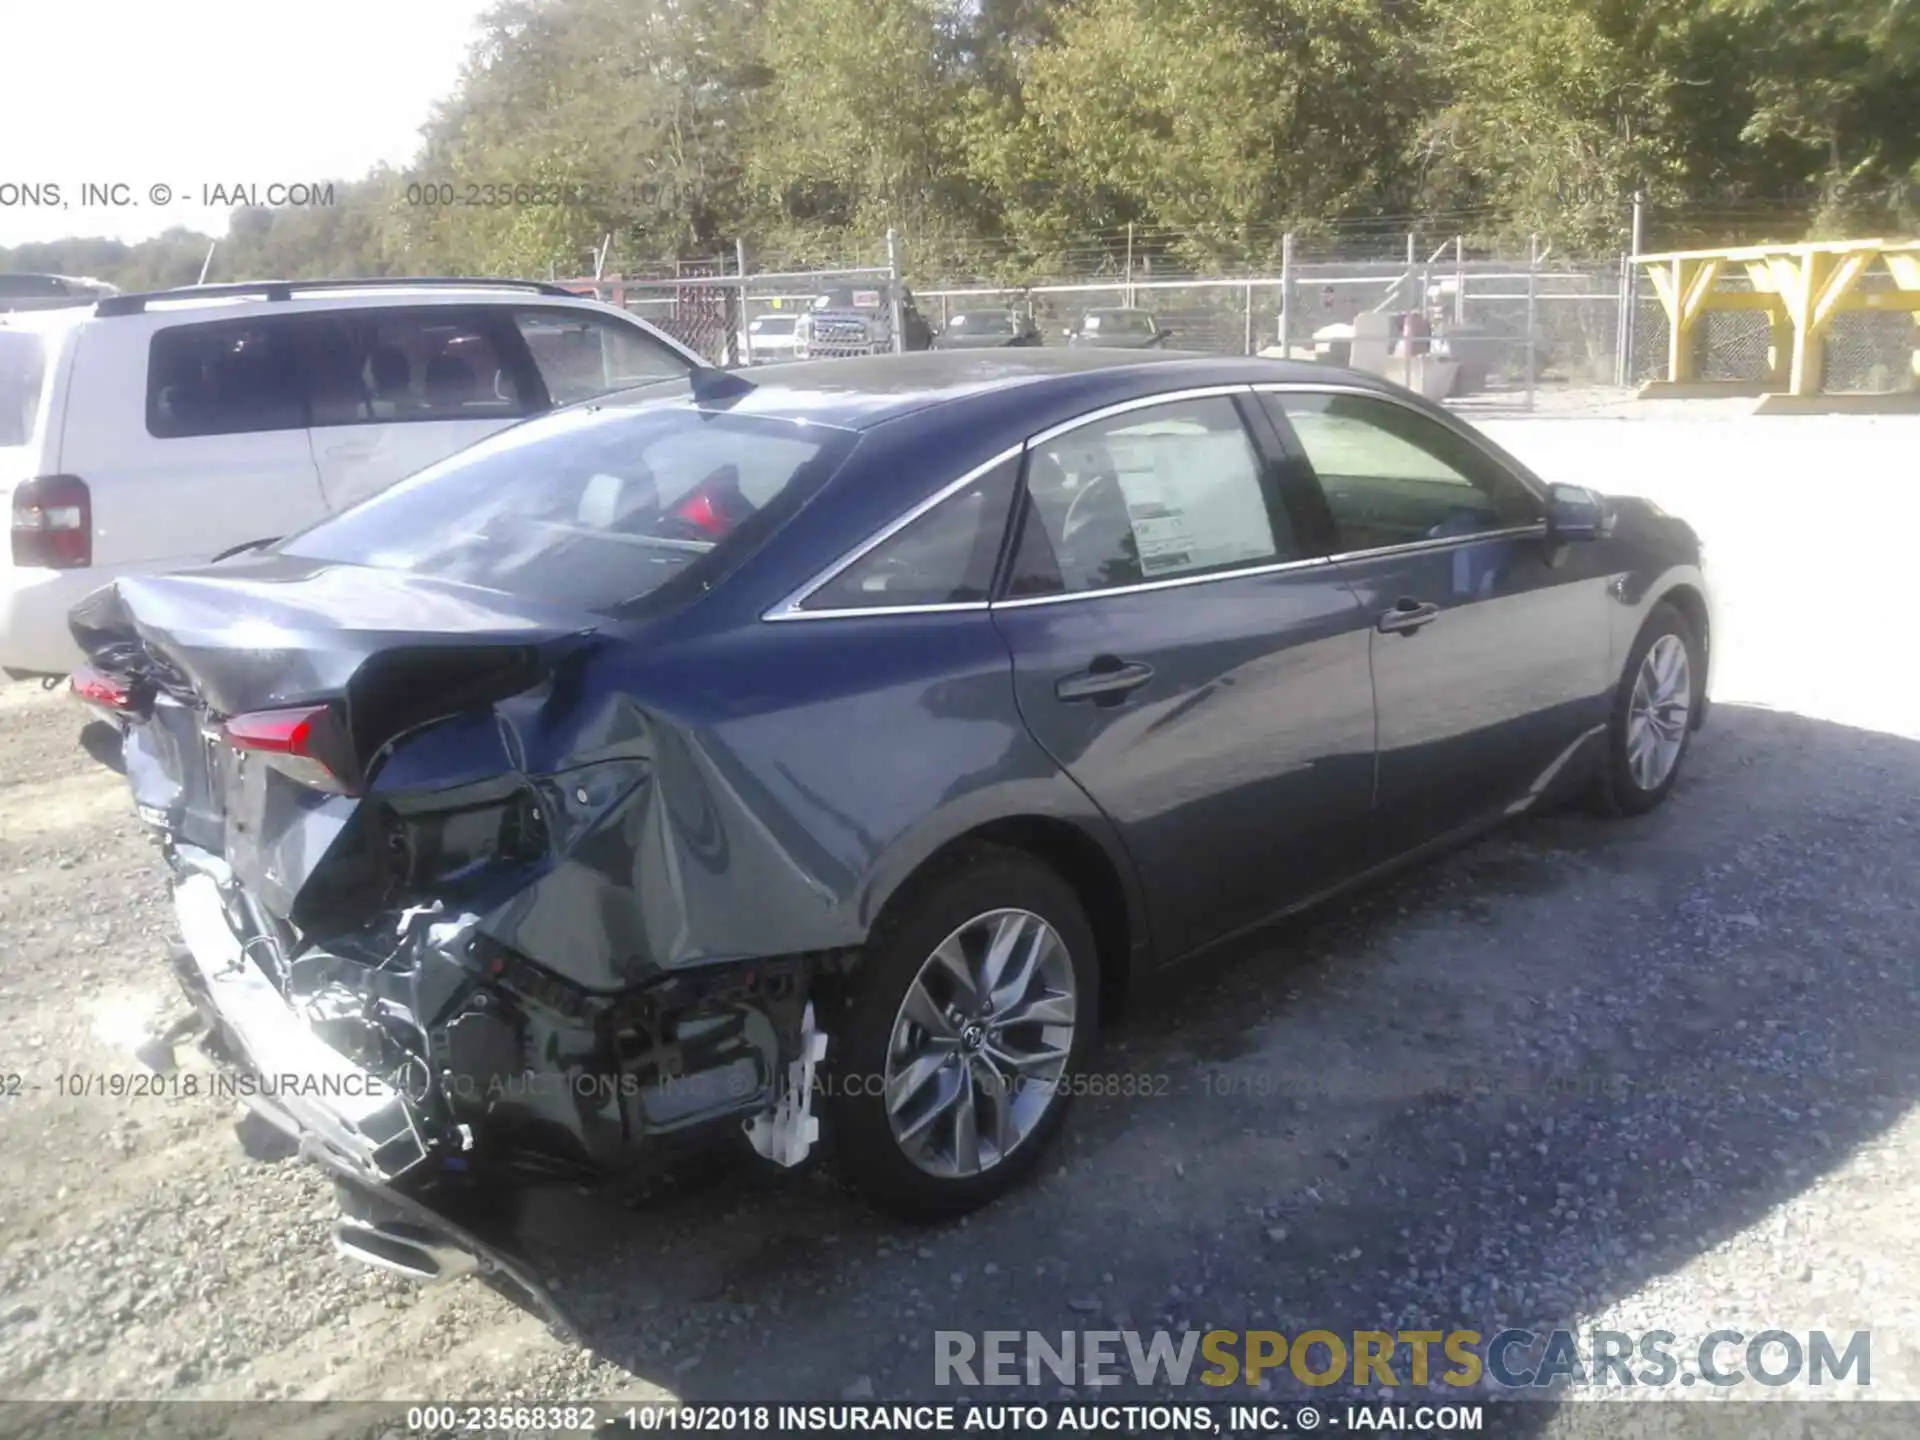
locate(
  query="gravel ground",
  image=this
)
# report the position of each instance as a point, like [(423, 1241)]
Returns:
[(1655, 1074)]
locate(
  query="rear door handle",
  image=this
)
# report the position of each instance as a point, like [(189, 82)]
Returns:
[(1107, 680), (351, 450), (1407, 616)]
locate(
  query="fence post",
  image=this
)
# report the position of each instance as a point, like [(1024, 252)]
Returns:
[(741, 337), (893, 293), (1129, 264), (1459, 282), (1628, 365), (1533, 268), (1623, 320), (1287, 294), (1249, 340)]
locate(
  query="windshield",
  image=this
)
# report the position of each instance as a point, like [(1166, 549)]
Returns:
[(774, 325), (990, 322), (596, 507), (22, 369)]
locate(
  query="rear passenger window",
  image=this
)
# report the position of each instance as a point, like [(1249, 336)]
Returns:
[(386, 367), (945, 557), (231, 378), (1152, 494)]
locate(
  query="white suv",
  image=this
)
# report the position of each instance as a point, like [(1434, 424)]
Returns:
[(154, 431)]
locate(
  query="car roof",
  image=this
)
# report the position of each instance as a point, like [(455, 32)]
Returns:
[(53, 318), (1011, 387)]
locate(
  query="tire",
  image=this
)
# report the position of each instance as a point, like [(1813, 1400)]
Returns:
[(1622, 785), (964, 904)]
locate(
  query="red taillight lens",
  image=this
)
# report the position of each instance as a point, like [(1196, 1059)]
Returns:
[(294, 742), (92, 688), (53, 523)]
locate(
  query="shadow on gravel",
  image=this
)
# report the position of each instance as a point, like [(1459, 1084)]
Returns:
[(1507, 1090)]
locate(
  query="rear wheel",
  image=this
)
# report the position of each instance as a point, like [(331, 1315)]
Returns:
[(971, 1013), (1653, 713)]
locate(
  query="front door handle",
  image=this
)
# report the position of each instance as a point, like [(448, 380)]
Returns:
[(1107, 680), (1407, 616), (351, 450)]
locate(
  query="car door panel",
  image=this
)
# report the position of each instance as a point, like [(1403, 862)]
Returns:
[(1222, 720), (1240, 771), (1481, 701), (1489, 643), (217, 455)]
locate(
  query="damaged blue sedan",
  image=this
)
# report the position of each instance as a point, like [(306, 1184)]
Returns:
[(817, 757)]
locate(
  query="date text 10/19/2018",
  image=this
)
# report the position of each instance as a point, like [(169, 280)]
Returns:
[(920, 1419)]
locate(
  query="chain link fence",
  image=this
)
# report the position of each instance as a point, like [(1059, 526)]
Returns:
[(1512, 323)]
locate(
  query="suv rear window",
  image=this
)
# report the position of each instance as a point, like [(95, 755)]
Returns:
[(596, 507), (23, 364)]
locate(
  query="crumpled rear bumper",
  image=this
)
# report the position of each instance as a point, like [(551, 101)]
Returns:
[(358, 1126)]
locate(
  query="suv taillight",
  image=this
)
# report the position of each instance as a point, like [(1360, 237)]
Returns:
[(53, 523)]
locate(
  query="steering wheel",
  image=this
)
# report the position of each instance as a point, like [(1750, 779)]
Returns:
[(1076, 519)]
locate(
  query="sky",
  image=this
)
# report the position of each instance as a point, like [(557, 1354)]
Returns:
[(166, 98)]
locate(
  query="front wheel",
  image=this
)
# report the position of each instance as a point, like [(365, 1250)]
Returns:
[(974, 1009), (1653, 714)]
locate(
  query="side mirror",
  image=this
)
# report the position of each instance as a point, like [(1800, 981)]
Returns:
[(1577, 513)]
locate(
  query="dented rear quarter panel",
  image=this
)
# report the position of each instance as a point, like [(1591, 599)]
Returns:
[(764, 792)]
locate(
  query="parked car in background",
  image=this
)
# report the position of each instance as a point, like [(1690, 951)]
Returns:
[(770, 338), (49, 292), (987, 330), (851, 321), (587, 794), (1121, 329), (145, 432)]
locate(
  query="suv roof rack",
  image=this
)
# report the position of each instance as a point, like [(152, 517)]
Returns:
[(135, 303)]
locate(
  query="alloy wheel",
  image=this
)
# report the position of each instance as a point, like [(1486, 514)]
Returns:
[(980, 1043), (1658, 713)]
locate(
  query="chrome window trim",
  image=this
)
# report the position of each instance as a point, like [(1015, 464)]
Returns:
[(789, 608), (1143, 402), (1172, 582), (1309, 387), (1444, 542)]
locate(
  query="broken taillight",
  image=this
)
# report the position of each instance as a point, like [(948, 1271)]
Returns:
[(297, 742), (53, 523), (92, 688)]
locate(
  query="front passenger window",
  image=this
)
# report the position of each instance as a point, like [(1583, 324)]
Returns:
[(1392, 476)]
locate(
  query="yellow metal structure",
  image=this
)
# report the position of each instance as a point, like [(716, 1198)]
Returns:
[(1800, 287)]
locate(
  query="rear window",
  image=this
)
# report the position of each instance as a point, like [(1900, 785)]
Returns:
[(598, 507), (23, 364), (989, 323)]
